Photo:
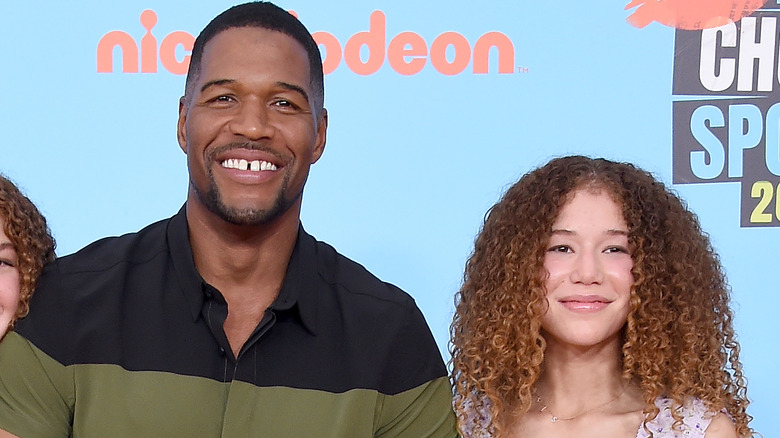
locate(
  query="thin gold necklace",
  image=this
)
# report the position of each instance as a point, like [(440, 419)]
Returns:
[(554, 418)]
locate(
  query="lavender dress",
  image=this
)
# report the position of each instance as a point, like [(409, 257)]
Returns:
[(696, 419)]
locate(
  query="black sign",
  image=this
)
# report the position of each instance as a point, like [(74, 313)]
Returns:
[(726, 111)]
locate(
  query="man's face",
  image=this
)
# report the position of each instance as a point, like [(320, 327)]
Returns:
[(248, 126)]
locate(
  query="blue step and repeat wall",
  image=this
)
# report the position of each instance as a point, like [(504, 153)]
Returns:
[(435, 108)]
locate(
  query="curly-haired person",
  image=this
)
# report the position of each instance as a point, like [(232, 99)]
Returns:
[(26, 245), (594, 305)]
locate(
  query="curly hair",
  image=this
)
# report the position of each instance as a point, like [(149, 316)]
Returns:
[(678, 340), (26, 227)]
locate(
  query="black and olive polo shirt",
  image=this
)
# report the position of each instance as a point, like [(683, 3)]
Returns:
[(125, 339)]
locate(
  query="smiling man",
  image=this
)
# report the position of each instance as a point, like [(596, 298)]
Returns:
[(228, 319)]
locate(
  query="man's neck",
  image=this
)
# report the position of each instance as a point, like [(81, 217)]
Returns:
[(247, 264)]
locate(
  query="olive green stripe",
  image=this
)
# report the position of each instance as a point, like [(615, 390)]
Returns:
[(119, 403)]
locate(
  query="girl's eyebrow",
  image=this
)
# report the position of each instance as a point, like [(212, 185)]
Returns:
[(611, 232), (5, 245)]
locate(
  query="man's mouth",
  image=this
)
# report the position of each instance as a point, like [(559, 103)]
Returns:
[(254, 165)]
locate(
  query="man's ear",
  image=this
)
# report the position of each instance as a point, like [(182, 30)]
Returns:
[(322, 131), (181, 131)]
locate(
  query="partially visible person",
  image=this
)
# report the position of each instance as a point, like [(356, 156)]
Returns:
[(26, 246), (594, 305)]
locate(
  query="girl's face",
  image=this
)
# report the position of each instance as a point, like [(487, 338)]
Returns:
[(9, 280), (589, 264)]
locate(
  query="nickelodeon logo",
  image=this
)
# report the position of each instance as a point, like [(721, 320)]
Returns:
[(407, 53)]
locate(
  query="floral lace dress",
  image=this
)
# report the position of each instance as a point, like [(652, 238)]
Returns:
[(696, 419)]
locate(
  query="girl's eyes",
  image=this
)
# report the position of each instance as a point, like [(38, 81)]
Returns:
[(608, 250), (616, 249), (8, 256)]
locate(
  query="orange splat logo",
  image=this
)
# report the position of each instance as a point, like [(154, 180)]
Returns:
[(691, 14)]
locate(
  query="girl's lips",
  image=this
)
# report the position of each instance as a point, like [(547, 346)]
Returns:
[(584, 303), (585, 306)]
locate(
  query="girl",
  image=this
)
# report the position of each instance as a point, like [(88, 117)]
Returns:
[(593, 305), (26, 245)]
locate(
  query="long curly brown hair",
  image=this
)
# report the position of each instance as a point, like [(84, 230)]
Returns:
[(26, 227), (678, 341)]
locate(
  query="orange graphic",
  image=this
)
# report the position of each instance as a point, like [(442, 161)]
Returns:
[(129, 49), (691, 14), (408, 52), (363, 53)]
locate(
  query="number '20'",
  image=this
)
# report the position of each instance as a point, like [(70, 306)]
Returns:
[(765, 191)]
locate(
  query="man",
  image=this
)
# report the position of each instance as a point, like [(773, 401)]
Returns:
[(228, 319)]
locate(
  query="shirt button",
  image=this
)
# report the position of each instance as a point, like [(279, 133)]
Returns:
[(221, 351)]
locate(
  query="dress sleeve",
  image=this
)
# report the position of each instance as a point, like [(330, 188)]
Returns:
[(474, 422), (36, 391), (696, 419)]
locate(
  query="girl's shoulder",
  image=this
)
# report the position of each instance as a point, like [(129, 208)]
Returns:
[(695, 416), (474, 420)]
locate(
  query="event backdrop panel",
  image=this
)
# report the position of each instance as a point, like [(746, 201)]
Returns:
[(434, 109)]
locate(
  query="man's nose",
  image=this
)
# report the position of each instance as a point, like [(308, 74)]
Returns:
[(252, 121)]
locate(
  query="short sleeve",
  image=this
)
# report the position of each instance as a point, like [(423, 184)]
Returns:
[(36, 391), (696, 418), (421, 412), (474, 421), (423, 407)]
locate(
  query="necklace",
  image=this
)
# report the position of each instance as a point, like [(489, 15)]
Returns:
[(554, 418)]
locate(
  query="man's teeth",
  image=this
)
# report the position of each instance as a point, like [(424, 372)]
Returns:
[(254, 166)]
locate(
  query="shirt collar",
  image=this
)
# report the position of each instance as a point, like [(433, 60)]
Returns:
[(301, 285), (302, 282)]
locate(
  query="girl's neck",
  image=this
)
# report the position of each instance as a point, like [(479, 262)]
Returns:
[(575, 377)]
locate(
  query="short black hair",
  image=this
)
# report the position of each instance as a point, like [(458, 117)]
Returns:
[(263, 15)]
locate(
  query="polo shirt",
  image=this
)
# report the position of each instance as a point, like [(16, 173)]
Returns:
[(125, 339)]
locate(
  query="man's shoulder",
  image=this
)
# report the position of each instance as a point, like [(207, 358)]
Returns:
[(352, 278), (101, 269), (107, 252), (96, 284), (371, 320)]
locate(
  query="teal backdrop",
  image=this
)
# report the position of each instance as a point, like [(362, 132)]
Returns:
[(419, 144)]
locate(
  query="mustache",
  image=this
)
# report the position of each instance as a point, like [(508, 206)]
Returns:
[(248, 145)]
